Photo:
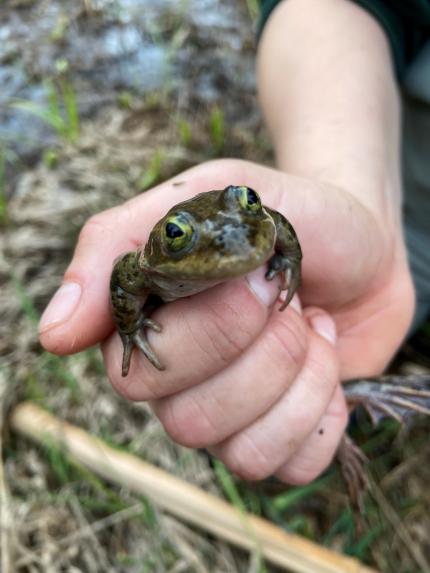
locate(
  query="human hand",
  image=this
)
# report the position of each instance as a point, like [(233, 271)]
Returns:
[(260, 389)]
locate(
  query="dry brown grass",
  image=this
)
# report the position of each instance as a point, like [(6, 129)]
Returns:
[(56, 516)]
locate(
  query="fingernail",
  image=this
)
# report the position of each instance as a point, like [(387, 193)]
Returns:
[(62, 306), (324, 325), (266, 291), (295, 304)]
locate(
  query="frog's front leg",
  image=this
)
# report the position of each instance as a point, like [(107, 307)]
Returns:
[(131, 306), (287, 258)]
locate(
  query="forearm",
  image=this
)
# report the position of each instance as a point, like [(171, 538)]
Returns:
[(329, 97)]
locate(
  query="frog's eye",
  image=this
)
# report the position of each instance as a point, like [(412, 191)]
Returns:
[(178, 232), (248, 198)]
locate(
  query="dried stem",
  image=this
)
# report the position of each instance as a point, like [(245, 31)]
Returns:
[(183, 500), (6, 518)]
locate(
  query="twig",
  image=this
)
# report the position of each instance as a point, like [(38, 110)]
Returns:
[(97, 526), (95, 559), (5, 510), (183, 500), (398, 526), (184, 548), (87, 530)]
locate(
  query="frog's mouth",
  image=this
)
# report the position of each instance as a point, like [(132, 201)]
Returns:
[(214, 265)]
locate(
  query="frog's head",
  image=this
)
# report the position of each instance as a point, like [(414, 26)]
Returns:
[(215, 235)]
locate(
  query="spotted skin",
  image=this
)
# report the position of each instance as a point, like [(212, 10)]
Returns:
[(213, 237)]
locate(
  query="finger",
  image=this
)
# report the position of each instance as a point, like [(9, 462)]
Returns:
[(318, 450), (79, 314), (201, 336), (260, 449), (209, 412)]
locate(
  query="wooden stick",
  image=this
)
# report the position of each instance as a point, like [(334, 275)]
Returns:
[(182, 499), (7, 540)]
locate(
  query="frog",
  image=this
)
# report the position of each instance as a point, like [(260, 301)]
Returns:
[(223, 234), (213, 237)]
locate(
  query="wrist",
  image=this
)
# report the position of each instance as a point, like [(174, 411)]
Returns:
[(329, 97)]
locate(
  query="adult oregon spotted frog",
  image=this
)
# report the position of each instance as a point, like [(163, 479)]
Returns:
[(206, 240), (214, 237)]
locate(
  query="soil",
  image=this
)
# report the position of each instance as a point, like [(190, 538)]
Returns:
[(158, 87)]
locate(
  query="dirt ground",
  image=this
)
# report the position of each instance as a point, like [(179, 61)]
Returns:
[(103, 100)]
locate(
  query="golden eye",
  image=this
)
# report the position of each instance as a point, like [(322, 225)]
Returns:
[(178, 232), (248, 198)]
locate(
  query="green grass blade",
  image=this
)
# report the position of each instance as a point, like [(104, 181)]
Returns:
[(71, 109), (233, 495), (294, 495), (48, 116)]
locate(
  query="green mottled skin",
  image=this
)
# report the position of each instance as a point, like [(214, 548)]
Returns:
[(228, 241)]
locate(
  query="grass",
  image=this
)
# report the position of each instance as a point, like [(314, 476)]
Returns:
[(291, 497), (153, 173), (227, 483), (217, 130), (50, 158), (71, 481), (253, 8), (58, 32), (185, 131), (50, 479), (49, 365), (3, 199), (61, 112)]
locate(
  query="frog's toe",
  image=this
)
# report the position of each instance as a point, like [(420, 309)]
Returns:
[(291, 283), (127, 341), (289, 270), (140, 340), (152, 324)]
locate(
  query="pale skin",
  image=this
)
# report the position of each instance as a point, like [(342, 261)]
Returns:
[(259, 388)]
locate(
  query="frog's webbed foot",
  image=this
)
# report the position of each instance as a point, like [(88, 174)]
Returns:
[(138, 338), (390, 396), (289, 269), (352, 465), (397, 397)]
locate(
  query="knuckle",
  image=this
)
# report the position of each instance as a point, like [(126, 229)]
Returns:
[(130, 387), (302, 472), (137, 385), (224, 338), (93, 228), (186, 422), (248, 460), (287, 342), (325, 375)]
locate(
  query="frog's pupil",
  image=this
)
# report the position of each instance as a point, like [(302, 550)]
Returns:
[(173, 231), (252, 197)]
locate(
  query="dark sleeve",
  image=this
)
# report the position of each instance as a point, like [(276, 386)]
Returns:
[(406, 23)]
